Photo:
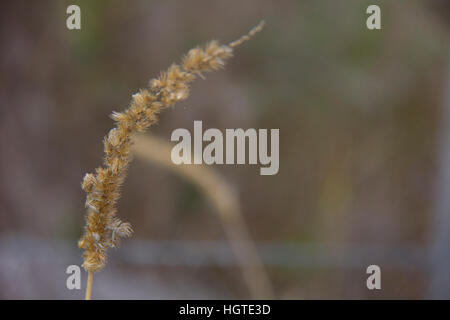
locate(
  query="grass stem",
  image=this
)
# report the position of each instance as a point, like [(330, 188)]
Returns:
[(89, 286)]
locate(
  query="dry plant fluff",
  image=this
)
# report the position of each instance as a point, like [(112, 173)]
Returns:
[(103, 228)]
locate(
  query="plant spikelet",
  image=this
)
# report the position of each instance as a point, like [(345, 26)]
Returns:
[(103, 228)]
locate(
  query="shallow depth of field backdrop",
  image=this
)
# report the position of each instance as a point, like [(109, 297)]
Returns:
[(364, 152)]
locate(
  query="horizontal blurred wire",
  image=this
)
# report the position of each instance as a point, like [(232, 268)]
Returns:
[(217, 253)]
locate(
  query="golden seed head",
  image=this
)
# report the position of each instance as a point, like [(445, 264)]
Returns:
[(103, 229)]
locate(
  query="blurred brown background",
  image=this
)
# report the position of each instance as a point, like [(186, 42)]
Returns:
[(364, 147)]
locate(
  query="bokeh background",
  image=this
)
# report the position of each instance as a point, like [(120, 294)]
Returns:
[(364, 119)]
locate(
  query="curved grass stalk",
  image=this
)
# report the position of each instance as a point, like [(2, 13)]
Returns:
[(221, 196), (103, 228)]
